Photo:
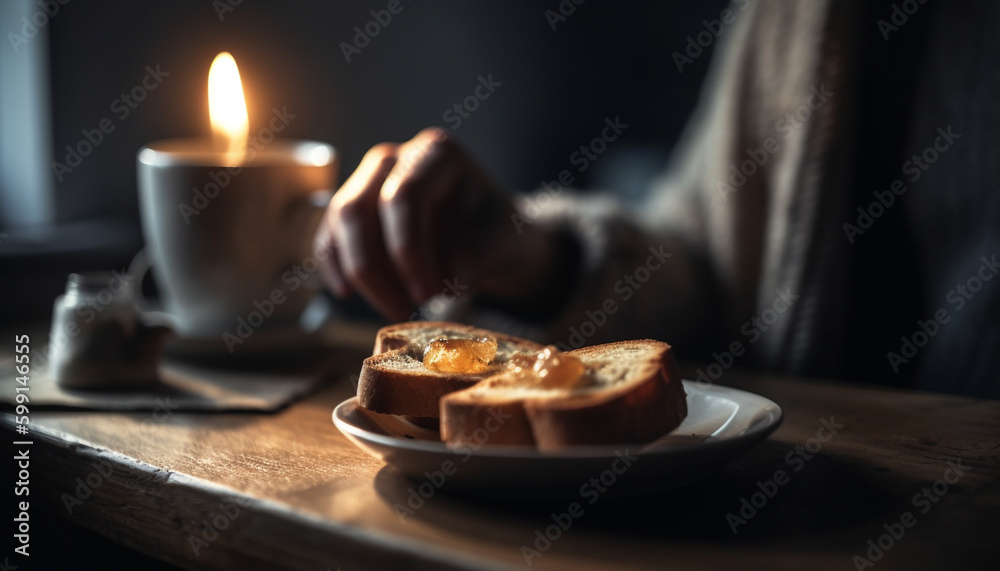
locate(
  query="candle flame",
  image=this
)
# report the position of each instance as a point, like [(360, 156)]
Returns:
[(227, 108)]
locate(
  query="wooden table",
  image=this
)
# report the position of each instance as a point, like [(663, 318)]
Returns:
[(287, 490)]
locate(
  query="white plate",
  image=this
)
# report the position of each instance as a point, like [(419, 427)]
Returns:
[(722, 423)]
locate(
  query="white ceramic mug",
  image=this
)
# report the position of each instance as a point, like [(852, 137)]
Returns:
[(225, 241)]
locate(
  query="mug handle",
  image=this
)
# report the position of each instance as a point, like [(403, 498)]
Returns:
[(139, 267), (151, 312)]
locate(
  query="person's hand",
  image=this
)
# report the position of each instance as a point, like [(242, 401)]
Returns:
[(421, 218)]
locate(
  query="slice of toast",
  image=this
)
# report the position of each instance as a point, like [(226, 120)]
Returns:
[(634, 394), (394, 380)]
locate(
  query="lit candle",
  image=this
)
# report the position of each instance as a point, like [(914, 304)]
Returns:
[(227, 108)]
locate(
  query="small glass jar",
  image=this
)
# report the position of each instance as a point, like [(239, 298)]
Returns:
[(98, 339)]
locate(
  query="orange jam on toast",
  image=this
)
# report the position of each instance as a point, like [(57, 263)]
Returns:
[(549, 369), (466, 356)]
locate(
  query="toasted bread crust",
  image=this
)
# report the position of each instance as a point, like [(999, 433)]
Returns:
[(385, 390), (476, 422), (390, 390), (638, 411)]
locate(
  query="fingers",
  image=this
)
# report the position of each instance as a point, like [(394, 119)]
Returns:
[(353, 226), (428, 169), (325, 250), (380, 233)]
